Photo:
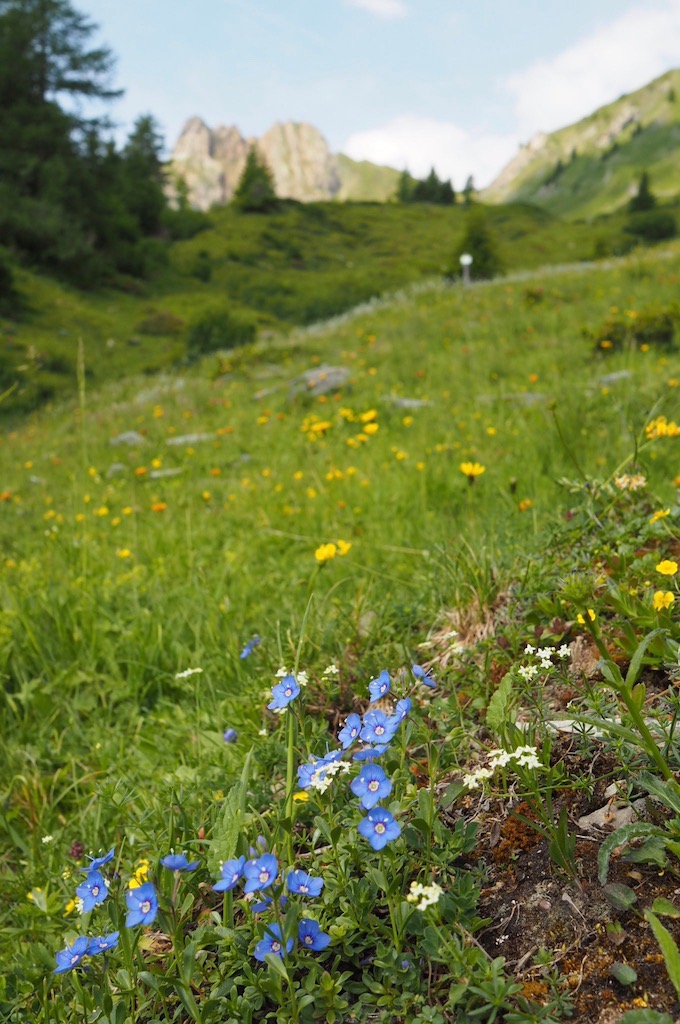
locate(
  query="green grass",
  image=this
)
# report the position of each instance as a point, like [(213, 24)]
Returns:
[(115, 581), (296, 266)]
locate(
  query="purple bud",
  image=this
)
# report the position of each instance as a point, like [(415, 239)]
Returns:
[(230, 736)]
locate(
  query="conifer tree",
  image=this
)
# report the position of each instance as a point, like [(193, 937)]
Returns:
[(644, 198), (255, 191)]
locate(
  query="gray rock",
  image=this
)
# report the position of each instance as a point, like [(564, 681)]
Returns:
[(115, 469), (407, 403), (177, 442), (320, 380), (129, 437), (613, 378), (161, 474)]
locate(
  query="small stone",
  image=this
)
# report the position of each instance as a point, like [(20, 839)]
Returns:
[(129, 437), (186, 439)]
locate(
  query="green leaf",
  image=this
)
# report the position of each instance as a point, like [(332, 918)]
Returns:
[(451, 793), (652, 851), (671, 953), (621, 897), (226, 830), (645, 1017), (277, 965), (622, 837), (636, 661), (667, 791), (623, 973), (664, 907), (498, 711)]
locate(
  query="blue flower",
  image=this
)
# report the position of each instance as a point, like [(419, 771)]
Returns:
[(402, 709), (178, 862), (379, 827), (250, 646), (311, 936), (142, 904), (260, 873), (370, 753), (261, 905), (301, 883), (231, 872), (283, 693), (420, 674), (371, 786), (102, 943), (350, 731), (230, 735), (68, 958), (271, 943), (92, 891), (380, 686), (98, 862), (377, 728)]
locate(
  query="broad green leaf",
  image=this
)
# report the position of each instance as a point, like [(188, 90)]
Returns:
[(667, 791), (664, 907), (226, 831), (636, 661), (498, 712), (645, 1017), (619, 896), (277, 965), (622, 837), (671, 953), (623, 973)]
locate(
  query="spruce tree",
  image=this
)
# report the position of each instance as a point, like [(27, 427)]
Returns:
[(479, 243), (255, 191), (644, 198)]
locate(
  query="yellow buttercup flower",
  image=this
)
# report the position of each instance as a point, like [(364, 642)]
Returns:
[(343, 546), (325, 552), (661, 514), (124, 553), (667, 568), (663, 599), (591, 615), (472, 470)]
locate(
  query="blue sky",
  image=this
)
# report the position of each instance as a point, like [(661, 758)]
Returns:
[(406, 82)]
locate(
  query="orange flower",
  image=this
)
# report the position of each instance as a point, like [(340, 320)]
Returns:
[(159, 506)]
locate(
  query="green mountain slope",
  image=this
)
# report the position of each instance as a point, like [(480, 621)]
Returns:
[(302, 263), (362, 181), (593, 166)]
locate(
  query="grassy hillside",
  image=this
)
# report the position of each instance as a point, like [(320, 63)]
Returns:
[(363, 181), (593, 167), (301, 264), (453, 504)]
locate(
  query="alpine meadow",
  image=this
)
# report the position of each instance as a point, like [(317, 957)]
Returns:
[(339, 632)]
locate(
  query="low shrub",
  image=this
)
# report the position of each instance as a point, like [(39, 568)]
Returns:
[(654, 325), (219, 329), (161, 322), (652, 225)]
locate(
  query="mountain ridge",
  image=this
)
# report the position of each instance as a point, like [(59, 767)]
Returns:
[(209, 162), (593, 166)]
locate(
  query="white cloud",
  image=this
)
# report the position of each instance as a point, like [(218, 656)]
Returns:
[(421, 143), (382, 8), (619, 57)]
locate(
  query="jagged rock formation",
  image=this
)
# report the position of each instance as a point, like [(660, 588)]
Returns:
[(210, 163)]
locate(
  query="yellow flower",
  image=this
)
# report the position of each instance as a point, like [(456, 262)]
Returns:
[(407, 421), (344, 546), (311, 493), (606, 343), (371, 428), (663, 599), (491, 431), (472, 470), (298, 474), (591, 615), (368, 417), (301, 796), (206, 495), (124, 553), (661, 514), (156, 463), (127, 511), (525, 504), (80, 517), (325, 552), (667, 568), (102, 511), (69, 908), (115, 521)]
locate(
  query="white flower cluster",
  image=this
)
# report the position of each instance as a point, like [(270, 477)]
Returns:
[(188, 672), (425, 895), (331, 670), (323, 776), (523, 757), (543, 656), (301, 678), (624, 482)]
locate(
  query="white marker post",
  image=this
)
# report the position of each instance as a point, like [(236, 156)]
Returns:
[(466, 263)]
